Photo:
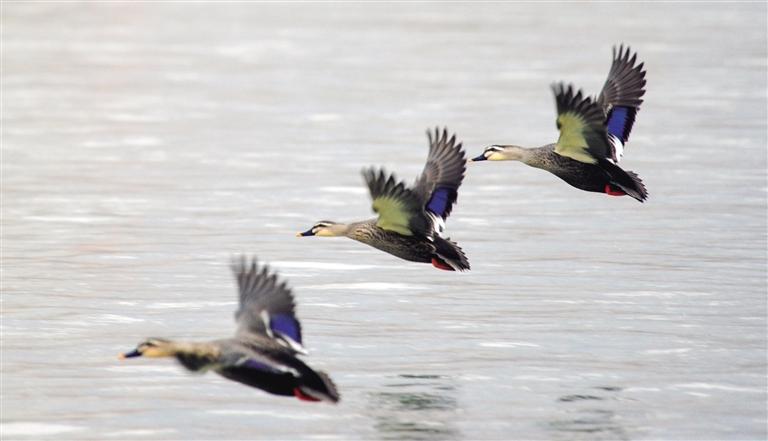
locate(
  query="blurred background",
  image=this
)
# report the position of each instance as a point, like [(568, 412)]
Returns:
[(144, 144)]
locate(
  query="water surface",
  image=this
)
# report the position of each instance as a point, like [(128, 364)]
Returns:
[(145, 144)]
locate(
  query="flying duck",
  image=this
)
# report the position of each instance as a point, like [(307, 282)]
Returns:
[(592, 133), (263, 352), (412, 219)]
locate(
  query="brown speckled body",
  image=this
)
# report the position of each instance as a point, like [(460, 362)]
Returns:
[(588, 177), (405, 247)]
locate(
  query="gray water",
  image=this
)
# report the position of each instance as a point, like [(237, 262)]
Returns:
[(145, 144)]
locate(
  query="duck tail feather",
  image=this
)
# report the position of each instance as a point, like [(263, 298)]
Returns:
[(322, 390), (641, 194), (628, 181), (451, 253)]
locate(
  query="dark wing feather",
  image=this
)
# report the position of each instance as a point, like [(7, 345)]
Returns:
[(581, 124), (400, 209), (622, 93), (261, 375), (439, 182), (266, 305), (625, 85)]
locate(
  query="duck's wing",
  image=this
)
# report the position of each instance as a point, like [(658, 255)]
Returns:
[(400, 209), (267, 306), (257, 370), (241, 352), (439, 183), (581, 124), (621, 97), (279, 373)]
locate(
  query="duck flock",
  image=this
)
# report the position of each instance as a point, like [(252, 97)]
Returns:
[(410, 225)]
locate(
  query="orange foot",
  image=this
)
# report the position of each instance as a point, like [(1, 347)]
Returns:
[(441, 265), (610, 191)]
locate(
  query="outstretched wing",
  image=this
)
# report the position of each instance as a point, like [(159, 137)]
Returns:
[(439, 183), (621, 97), (580, 121), (400, 209), (266, 305)]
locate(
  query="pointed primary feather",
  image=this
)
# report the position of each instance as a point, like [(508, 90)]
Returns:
[(581, 124), (625, 85), (399, 208), (439, 183), (621, 97), (266, 305)]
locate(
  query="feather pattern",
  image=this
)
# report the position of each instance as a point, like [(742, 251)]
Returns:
[(400, 209), (439, 182), (625, 84), (266, 305), (412, 248), (621, 96), (587, 177), (581, 124), (259, 365), (273, 369)]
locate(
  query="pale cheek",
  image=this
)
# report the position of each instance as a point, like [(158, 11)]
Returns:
[(496, 156), (324, 233)]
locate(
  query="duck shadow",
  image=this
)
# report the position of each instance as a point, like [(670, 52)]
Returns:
[(416, 407)]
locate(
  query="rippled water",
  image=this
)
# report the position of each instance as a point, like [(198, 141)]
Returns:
[(144, 144)]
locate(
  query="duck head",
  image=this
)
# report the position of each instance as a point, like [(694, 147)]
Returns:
[(501, 153), (325, 229), (153, 348)]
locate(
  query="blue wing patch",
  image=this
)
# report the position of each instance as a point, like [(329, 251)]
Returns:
[(259, 366), (286, 325), (440, 202), (620, 121)]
